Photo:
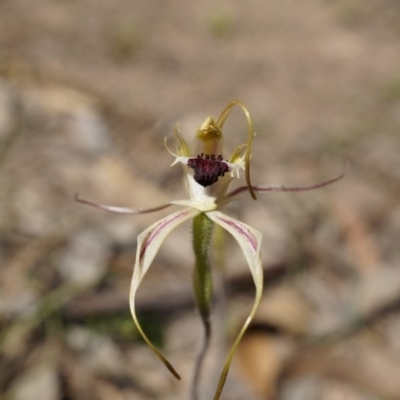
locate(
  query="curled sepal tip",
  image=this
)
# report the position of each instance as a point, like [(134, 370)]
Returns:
[(220, 122), (149, 242), (249, 240)]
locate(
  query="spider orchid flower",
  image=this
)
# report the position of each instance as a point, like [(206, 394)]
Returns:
[(208, 175)]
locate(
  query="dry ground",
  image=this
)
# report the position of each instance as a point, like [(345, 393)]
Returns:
[(88, 91)]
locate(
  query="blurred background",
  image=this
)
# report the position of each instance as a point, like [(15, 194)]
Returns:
[(88, 91)]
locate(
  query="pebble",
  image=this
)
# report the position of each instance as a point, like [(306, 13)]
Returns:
[(84, 259), (40, 382)]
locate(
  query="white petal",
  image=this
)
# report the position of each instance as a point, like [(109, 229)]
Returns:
[(149, 242), (249, 240)]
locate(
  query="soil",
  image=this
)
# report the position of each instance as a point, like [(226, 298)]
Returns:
[(88, 92)]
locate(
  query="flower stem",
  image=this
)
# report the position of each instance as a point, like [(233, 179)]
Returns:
[(203, 289), (202, 278), (200, 359)]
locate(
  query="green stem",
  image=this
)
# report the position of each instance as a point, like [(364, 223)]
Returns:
[(202, 278), (203, 289)]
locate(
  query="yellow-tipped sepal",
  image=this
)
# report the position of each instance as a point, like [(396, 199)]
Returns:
[(249, 240), (149, 242)]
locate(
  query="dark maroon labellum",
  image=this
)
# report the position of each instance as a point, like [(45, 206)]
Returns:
[(207, 168)]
